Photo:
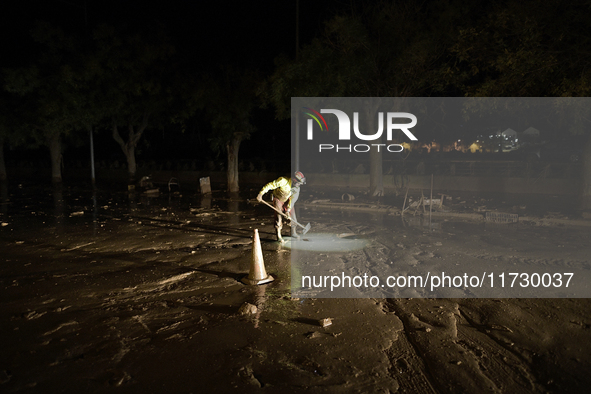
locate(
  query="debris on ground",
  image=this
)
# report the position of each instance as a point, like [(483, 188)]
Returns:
[(247, 309), (325, 322)]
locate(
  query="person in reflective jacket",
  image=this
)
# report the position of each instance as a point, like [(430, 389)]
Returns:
[(285, 194)]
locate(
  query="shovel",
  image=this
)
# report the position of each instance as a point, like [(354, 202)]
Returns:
[(306, 227)]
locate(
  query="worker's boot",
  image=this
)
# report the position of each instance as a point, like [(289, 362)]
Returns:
[(294, 234), (278, 232)]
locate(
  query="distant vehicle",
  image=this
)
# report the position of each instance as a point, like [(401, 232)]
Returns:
[(525, 152)]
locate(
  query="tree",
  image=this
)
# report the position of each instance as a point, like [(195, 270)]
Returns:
[(230, 104), (5, 131), (521, 48), (13, 131), (78, 83), (45, 97), (385, 50), (133, 81)]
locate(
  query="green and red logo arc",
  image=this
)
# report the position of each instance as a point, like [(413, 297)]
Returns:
[(315, 116)]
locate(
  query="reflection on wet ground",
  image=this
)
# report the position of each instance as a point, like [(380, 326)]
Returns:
[(81, 269), (110, 289), (433, 250), (189, 226), (326, 243)]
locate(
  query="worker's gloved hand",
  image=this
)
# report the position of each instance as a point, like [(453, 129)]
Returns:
[(260, 198)]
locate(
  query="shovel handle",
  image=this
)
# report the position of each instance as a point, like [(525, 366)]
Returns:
[(283, 214), (275, 209)]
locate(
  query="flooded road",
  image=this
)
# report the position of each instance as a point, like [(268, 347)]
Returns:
[(117, 289)]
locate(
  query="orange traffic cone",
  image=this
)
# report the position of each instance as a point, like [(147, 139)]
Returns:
[(258, 274)]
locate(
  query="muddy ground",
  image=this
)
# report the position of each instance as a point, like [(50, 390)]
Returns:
[(121, 292)]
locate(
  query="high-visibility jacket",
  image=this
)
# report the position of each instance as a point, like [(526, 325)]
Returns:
[(282, 189)]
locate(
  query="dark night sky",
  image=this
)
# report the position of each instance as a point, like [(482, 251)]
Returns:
[(207, 33)]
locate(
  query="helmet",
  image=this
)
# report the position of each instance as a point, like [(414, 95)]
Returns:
[(300, 177)]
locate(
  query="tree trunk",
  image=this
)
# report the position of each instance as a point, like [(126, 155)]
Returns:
[(232, 172), (376, 173), (131, 165), (3, 197), (55, 151), (586, 186), (3, 176), (128, 147), (92, 172)]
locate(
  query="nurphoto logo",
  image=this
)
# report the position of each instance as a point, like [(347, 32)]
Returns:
[(344, 133)]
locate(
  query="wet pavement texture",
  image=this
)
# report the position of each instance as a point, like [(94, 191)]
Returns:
[(121, 291)]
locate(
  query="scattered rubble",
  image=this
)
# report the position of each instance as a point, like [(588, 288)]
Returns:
[(325, 322), (247, 309)]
